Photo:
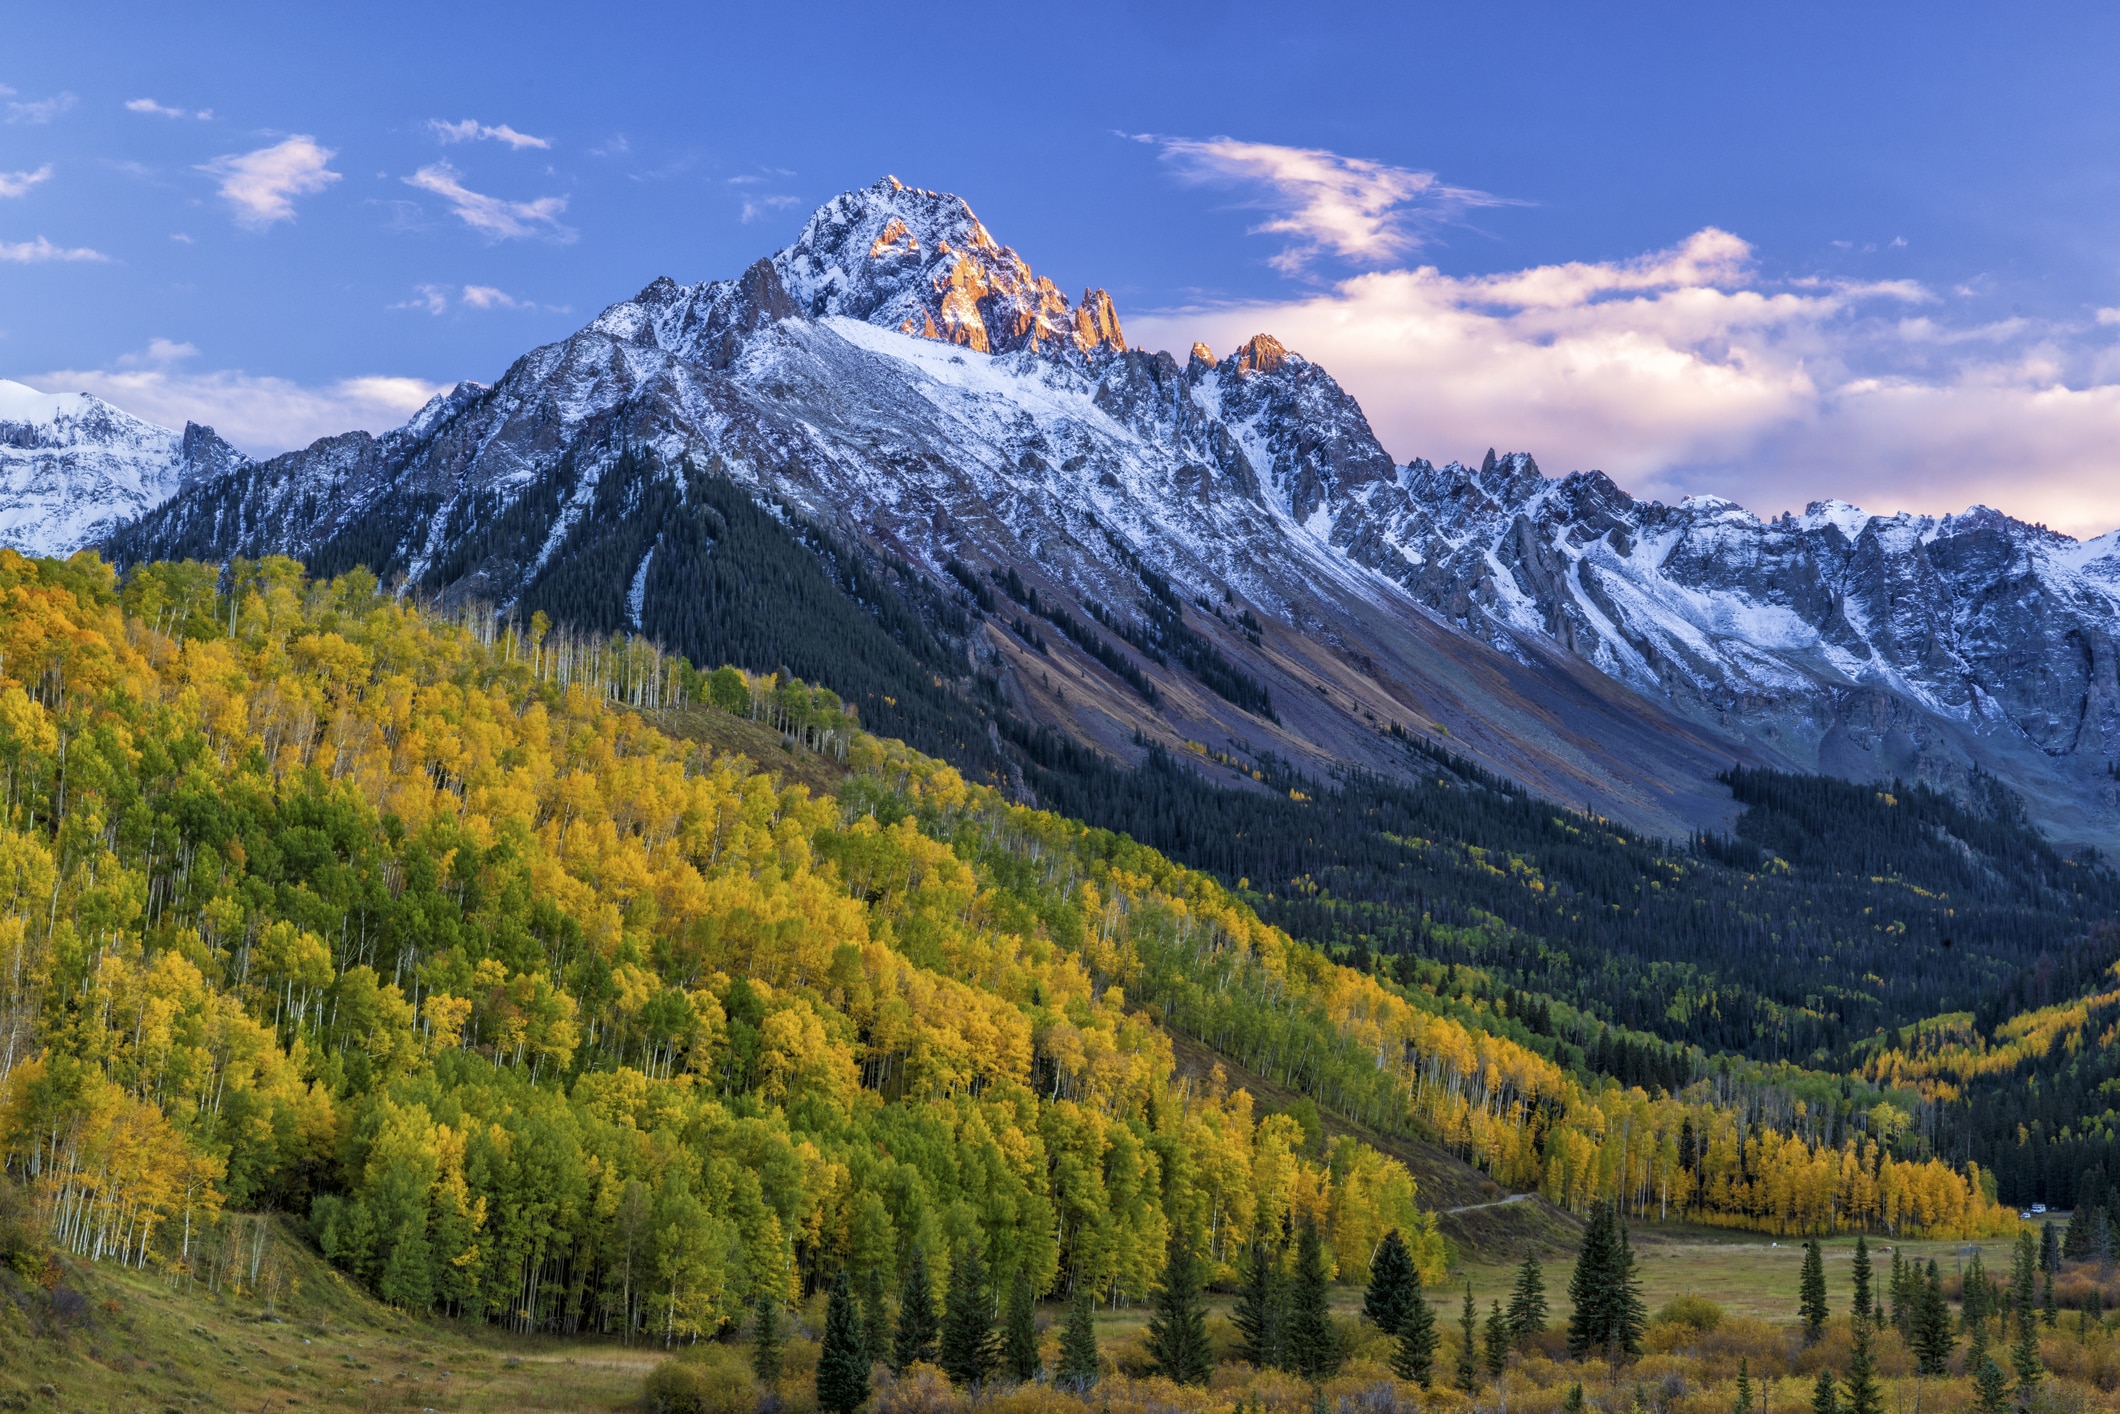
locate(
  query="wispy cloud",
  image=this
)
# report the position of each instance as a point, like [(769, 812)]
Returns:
[(1686, 370), (40, 251), (261, 414), (42, 110), (472, 130), (757, 206), (19, 183), (493, 216), (161, 110), (262, 185), (437, 299), (1360, 211)]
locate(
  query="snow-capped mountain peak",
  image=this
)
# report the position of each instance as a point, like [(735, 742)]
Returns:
[(73, 468)]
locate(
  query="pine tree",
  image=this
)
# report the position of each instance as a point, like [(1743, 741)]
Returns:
[(1991, 1388), (1468, 1372), (966, 1351), (1313, 1342), (1415, 1357), (2024, 1265), (1744, 1387), (2049, 1312), (1825, 1395), (1498, 1340), (1574, 1403), (1975, 1305), (1019, 1341), (1931, 1321), (1261, 1310), (1527, 1301), (843, 1362), (1587, 1286), (2049, 1247), (875, 1316), (1391, 1279), (1811, 1287), (914, 1340), (1079, 1362), (765, 1342), (2025, 1363), (1860, 1301), (1864, 1396), (1902, 1294), (1177, 1328)]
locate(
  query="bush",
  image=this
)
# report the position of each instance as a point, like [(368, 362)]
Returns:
[(1697, 1312), (709, 1379)]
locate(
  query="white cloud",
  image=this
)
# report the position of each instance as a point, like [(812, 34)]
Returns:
[(1361, 211), (19, 183), (262, 185), (493, 216), (487, 297), (42, 110), (757, 206), (437, 299), (148, 105), (1685, 371), (472, 130), (262, 415), (41, 251)]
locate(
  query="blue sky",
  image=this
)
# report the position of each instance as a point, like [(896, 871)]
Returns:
[(1798, 251)]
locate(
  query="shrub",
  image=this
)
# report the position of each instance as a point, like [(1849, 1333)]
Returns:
[(1697, 1312), (708, 1379)]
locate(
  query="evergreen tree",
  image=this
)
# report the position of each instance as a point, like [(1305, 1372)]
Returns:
[(1859, 1300), (875, 1316), (1606, 1290), (1313, 1342), (966, 1351), (1574, 1402), (1019, 1340), (2049, 1247), (1811, 1292), (765, 1342), (2025, 1363), (1932, 1338), (914, 1340), (1744, 1387), (1825, 1395), (1864, 1396), (1415, 1357), (1261, 1310), (1527, 1301), (2023, 1267), (2049, 1312), (1079, 1361), (1468, 1370), (1991, 1388), (1499, 1339), (1976, 1305), (1391, 1281), (1177, 1327), (1902, 1294), (843, 1362)]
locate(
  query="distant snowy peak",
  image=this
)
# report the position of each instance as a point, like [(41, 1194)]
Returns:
[(72, 467), (920, 262)]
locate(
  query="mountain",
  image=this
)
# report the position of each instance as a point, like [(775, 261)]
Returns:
[(1066, 538), (73, 468)]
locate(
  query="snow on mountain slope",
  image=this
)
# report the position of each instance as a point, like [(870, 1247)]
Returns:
[(73, 468), (1229, 527)]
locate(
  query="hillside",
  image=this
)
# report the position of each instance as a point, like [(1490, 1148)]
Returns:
[(544, 1017)]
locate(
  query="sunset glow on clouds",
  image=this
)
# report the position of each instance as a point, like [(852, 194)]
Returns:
[(1684, 370)]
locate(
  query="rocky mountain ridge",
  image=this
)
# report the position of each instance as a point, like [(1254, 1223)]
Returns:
[(73, 468), (1216, 556)]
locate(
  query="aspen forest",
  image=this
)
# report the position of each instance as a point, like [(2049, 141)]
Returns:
[(418, 928)]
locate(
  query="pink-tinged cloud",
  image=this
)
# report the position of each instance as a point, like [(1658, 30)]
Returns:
[(492, 216), (261, 186)]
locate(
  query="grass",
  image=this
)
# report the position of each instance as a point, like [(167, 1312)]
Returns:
[(94, 1337)]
